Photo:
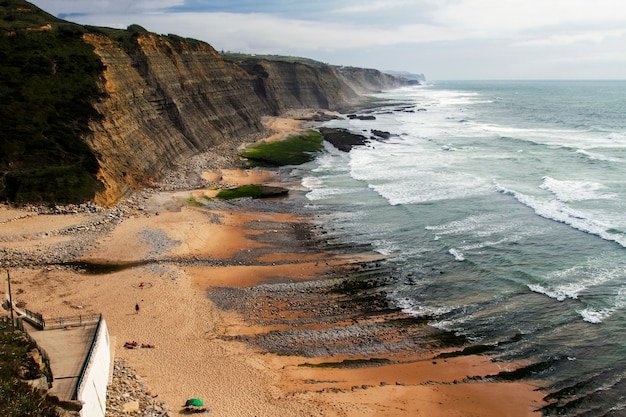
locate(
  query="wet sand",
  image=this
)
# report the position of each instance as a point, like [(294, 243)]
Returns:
[(214, 347)]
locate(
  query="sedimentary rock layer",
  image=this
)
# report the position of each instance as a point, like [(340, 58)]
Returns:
[(168, 98)]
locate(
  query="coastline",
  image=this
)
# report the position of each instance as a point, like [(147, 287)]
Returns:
[(201, 263)]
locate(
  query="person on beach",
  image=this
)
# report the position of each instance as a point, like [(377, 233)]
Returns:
[(136, 308)]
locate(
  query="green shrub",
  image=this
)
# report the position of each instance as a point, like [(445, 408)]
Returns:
[(240, 192), (49, 84), (17, 398)]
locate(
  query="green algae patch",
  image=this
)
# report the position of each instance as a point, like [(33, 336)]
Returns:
[(191, 201), (253, 191), (294, 150)]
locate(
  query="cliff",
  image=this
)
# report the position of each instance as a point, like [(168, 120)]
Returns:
[(163, 99), (166, 100)]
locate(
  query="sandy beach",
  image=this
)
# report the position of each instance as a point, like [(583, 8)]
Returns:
[(180, 254)]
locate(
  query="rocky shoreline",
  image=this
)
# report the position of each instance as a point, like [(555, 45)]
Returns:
[(127, 394), (248, 303)]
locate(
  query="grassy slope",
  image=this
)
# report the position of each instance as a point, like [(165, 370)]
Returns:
[(17, 398), (48, 84)]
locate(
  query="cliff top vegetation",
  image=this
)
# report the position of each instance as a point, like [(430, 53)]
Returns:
[(241, 57), (49, 84), (49, 81), (17, 398)]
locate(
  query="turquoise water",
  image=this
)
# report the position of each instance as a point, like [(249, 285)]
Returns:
[(502, 208)]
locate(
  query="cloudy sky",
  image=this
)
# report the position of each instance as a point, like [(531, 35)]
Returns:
[(443, 39)]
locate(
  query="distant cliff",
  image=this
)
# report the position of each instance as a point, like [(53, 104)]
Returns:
[(159, 100)]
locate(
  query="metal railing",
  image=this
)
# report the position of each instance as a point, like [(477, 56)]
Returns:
[(35, 318), (80, 320)]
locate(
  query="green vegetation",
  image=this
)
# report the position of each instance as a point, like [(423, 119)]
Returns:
[(191, 200), (17, 398), (294, 150), (349, 363), (240, 192), (240, 57), (254, 191), (49, 82)]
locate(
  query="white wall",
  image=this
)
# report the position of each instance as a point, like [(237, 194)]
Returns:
[(93, 390)]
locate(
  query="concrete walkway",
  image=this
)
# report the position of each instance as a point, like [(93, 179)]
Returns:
[(67, 350)]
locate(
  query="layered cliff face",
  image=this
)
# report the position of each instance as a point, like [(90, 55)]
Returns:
[(166, 101), (286, 85), (366, 80), (169, 98), (93, 113)]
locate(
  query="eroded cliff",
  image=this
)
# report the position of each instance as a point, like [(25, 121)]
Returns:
[(161, 100), (165, 101), (169, 98)]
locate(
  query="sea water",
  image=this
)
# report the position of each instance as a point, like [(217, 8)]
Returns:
[(502, 205)]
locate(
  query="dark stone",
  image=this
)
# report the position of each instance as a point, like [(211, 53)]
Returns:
[(361, 117), (269, 191), (381, 134), (343, 139)]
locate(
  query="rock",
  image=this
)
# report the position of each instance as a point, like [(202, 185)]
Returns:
[(131, 407), (361, 117), (381, 134), (343, 139), (126, 390)]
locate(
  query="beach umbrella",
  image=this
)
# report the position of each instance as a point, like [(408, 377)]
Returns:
[(196, 402)]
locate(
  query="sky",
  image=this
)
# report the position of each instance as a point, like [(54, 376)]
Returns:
[(442, 39)]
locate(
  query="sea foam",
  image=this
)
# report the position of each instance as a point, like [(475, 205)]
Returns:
[(567, 191), (559, 211)]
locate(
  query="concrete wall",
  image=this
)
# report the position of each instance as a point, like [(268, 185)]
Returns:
[(92, 390)]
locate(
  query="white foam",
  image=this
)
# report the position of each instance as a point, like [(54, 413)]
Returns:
[(598, 315), (405, 171), (317, 189), (458, 255), (323, 193), (567, 191), (385, 247), (571, 282), (594, 156), (481, 224), (432, 187), (617, 137), (560, 293), (558, 211), (595, 316), (413, 308), (312, 183)]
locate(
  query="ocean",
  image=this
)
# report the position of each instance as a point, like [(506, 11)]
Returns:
[(501, 206)]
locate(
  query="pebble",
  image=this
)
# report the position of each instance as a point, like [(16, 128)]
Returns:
[(126, 395)]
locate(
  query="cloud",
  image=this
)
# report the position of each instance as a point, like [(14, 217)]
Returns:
[(97, 7), (504, 34), (369, 7), (591, 36), (250, 32)]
